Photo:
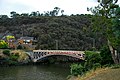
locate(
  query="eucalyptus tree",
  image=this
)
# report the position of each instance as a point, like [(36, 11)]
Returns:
[(14, 14), (104, 14)]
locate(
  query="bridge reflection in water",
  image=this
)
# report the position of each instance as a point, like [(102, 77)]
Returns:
[(40, 54)]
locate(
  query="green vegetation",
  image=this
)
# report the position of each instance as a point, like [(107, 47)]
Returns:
[(3, 44), (8, 37), (106, 56), (6, 52), (72, 32), (105, 21), (77, 69), (94, 64), (108, 74), (97, 32), (92, 61), (13, 57), (100, 74), (19, 47)]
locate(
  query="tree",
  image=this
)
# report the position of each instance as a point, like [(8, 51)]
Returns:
[(14, 14), (54, 12), (3, 16), (62, 11), (34, 14), (6, 52), (106, 11), (115, 39), (3, 44), (25, 15)]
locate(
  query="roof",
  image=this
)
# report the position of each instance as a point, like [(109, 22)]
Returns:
[(27, 38)]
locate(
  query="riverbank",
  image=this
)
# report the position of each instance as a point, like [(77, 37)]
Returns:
[(100, 74), (13, 57)]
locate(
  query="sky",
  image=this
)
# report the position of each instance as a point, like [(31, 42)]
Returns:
[(27, 6)]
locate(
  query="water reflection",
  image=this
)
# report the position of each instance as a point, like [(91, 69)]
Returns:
[(34, 72)]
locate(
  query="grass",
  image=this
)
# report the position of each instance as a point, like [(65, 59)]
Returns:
[(100, 74), (22, 55), (110, 74)]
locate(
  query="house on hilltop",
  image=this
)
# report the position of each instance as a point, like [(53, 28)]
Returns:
[(27, 42)]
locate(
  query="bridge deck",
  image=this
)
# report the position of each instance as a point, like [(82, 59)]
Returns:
[(39, 54)]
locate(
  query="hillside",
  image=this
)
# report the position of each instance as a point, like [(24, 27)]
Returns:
[(69, 32)]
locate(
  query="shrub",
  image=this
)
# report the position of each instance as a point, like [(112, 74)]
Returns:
[(115, 66), (106, 56), (91, 59), (96, 65), (6, 52), (14, 57), (19, 47), (10, 62), (3, 44), (77, 69)]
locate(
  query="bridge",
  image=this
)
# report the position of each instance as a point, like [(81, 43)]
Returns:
[(40, 54)]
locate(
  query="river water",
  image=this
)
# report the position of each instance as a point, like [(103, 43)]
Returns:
[(34, 72)]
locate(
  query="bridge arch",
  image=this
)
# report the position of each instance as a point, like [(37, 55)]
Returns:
[(40, 54)]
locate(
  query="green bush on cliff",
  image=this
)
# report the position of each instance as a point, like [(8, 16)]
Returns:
[(6, 52), (14, 57)]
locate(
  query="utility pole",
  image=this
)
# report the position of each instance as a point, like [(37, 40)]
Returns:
[(56, 44), (22, 30), (93, 44)]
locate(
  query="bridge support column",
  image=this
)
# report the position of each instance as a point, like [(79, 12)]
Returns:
[(34, 60)]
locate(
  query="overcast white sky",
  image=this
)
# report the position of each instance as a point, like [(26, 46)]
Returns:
[(27, 6)]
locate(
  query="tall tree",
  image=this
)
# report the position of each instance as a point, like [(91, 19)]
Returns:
[(14, 14), (104, 13), (115, 39)]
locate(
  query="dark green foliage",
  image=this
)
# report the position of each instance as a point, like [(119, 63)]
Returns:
[(10, 59), (106, 56), (3, 44), (115, 66), (14, 57), (96, 65), (11, 62), (6, 52), (19, 47), (109, 10), (91, 59), (72, 32), (77, 69), (115, 36)]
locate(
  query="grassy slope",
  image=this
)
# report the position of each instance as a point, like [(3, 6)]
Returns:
[(110, 74), (100, 74)]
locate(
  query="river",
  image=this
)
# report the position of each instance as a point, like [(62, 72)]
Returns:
[(34, 72)]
